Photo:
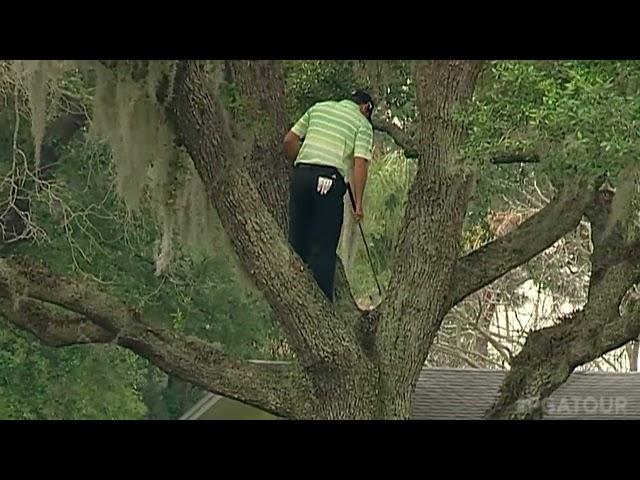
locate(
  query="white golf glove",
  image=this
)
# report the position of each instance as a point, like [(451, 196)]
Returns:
[(324, 185)]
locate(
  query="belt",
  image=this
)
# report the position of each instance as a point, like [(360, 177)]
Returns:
[(327, 167)]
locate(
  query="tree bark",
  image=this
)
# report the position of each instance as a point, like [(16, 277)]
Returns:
[(261, 85), (398, 135), (428, 241)]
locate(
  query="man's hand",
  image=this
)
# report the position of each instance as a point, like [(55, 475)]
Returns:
[(358, 213)]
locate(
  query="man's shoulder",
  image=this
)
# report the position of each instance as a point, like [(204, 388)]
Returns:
[(345, 112), (326, 104)]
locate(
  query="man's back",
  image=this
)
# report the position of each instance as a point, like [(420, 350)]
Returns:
[(337, 146), (334, 132)]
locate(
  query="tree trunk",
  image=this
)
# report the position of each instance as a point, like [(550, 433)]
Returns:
[(348, 381), (428, 244)]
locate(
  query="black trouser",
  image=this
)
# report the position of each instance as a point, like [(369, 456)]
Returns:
[(315, 221)]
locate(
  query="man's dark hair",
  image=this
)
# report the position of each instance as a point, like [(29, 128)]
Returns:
[(361, 97)]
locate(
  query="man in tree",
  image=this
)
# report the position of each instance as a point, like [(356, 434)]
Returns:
[(330, 140)]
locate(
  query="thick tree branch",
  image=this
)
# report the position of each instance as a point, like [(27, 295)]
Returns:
[(398, 135), (58, 133), (509, 158), (53, 328), (410, 147), (488, 263), (261, 84), (84, 314), (550, 354), (344, 300)]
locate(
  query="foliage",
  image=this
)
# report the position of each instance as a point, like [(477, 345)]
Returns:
[(311, 81), (385, 199), (38, 382), (87, 231)]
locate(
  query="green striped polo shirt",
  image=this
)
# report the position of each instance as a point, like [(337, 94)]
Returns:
[(334, 133)]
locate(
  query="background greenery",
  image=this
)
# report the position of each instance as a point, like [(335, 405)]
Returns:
[(577, 116)]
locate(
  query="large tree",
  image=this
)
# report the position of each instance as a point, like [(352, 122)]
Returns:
[(230, 118)]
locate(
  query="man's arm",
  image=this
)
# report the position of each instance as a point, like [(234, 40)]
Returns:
[(362, 155), (359, 180), (292, 144), (293, 138)]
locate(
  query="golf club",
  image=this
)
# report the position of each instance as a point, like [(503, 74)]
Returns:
[(366, 246)]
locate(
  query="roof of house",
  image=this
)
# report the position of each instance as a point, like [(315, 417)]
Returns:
[(449, 393), (466, 394)]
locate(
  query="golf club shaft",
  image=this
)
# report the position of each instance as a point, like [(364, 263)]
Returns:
[(364, 240)]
